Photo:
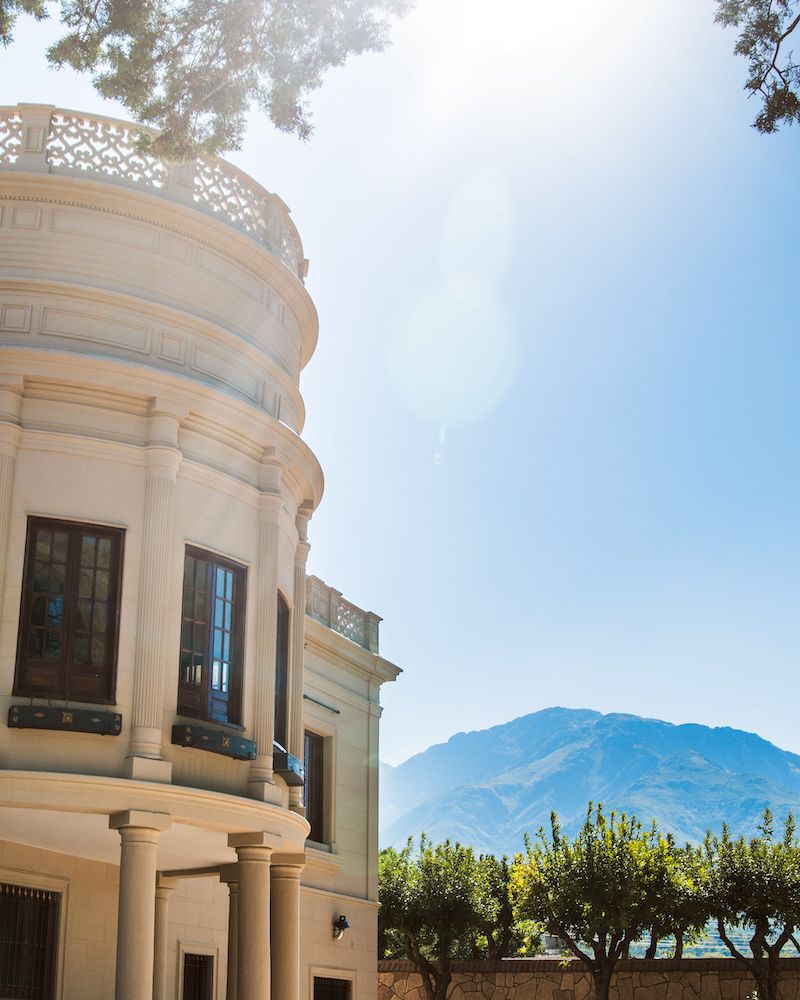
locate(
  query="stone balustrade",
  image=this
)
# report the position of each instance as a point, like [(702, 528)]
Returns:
[(37, 137), (548, 979), (327, 606)]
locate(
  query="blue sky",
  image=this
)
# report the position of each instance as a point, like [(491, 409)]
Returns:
[(556, 390)]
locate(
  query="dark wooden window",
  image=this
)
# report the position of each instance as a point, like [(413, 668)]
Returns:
[(212, 635), (28, 942), (282, 674), (69, 615), (198, 977), (314, 790), (331, 989)]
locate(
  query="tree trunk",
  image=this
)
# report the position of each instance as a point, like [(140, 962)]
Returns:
[(678, 944), (602, 982), (652, 948)]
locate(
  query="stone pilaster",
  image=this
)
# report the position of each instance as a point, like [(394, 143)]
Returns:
[(253, 945), (285, 922), (164, 888), (137, 901), (230, 875), (297, 656), (266, 612), (163, 458), (11, 391)]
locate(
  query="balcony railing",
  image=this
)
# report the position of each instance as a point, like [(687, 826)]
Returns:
[(329, 608), (42, 138)]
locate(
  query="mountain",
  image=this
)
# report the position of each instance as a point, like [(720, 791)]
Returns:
[(489, 788)]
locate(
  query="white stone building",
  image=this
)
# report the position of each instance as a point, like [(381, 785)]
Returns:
[(166, 667)]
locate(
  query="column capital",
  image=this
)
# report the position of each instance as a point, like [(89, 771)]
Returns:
[(270, 506), (287, 865), (229, 874), (301, 555), (139, 819), (260, 838), (303, 516)]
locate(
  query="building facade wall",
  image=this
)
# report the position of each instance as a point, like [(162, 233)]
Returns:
[(151, 343)]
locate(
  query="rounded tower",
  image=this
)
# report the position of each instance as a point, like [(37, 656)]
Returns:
[(154, 498)]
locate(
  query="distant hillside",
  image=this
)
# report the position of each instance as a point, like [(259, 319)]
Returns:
[(488, 788)]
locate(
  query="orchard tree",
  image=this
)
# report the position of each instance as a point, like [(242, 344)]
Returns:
[(681, 891), (767, 30), (443, 903), (598, 892), (756, 884), (190, 69)]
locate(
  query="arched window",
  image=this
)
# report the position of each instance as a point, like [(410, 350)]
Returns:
[(282, 674)]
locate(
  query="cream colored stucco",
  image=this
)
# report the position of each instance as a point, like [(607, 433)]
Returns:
[(150, 354)]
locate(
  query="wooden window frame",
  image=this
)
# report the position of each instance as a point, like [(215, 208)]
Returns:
[(316, 810), (234, 714), (22, 686), (282, 633)]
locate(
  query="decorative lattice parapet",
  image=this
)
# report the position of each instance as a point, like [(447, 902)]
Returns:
[(327, 606), (43, 138)]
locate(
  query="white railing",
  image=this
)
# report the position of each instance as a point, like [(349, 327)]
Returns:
[(327, 606), (40, 137)]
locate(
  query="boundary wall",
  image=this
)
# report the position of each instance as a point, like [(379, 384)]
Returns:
[(549, 979)]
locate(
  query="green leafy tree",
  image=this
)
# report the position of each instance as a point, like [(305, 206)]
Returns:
[(756, 884), (190, 69), (681, 894), (766, 33), (443, 903), (598, 892)]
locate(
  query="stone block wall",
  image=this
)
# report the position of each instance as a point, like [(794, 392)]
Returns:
[(547, 979)]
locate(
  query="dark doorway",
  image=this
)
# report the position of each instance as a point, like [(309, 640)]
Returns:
[(331, 989), (198, 977)]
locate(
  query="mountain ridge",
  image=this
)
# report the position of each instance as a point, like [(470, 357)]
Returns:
[(488, 787)]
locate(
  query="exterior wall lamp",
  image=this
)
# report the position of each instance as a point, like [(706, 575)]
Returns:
[(340, 925)]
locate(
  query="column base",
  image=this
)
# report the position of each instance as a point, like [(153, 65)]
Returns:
[(264, 791), (148, 769)]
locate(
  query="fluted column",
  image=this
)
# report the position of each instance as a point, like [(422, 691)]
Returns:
[(253, 965), (230, 875), (266, 612), (137, 900), (285, 922), (164, 888), (11, 390), (298, 651), (163, 459)]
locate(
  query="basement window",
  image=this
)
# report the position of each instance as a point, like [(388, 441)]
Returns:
[(29, 925)]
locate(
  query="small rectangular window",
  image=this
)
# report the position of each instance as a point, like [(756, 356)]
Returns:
[(198, 977), (331, 989), (212, 633), (69, 611), (28, 942), (282, 674), (314, 789)]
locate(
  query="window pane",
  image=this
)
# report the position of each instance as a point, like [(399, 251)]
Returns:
[(53, 649), (55, 609), (85, 583), (37, 611), (88, 544), (98, 650), (101, 585), (56, 579), (36, 644), (60, 546), (84, 615), (43, 540), (100, 619), (41, 576), (200, 606), (104, 553), (82, 650)]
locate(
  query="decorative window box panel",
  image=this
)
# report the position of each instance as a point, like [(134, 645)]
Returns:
[(227, 744), (288, 767), (65, 720)]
